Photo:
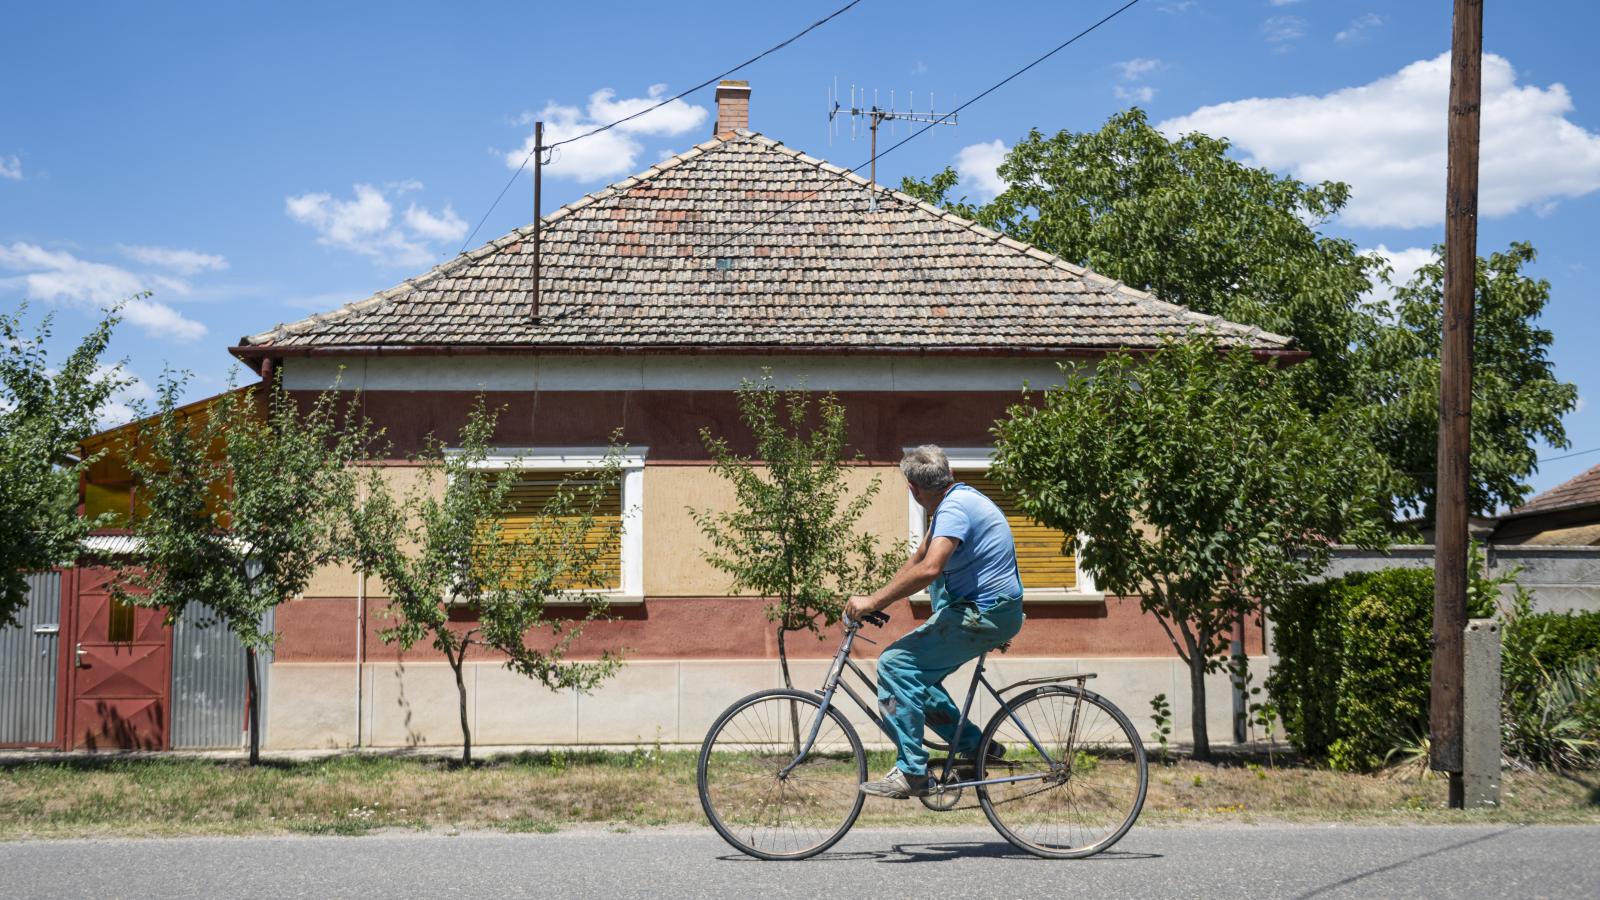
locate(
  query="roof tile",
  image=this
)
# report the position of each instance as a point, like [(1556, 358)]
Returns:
[(810, 263)]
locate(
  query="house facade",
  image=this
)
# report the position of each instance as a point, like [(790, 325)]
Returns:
[(656, 298)]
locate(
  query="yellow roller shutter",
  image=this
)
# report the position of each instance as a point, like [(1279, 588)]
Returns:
[(1046, 558), (533, 491)]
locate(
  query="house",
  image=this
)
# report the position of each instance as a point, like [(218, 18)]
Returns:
[(1567, 515), (1550, 545), (657, 296)]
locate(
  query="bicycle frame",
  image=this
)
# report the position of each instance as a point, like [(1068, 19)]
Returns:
[(835, 681)]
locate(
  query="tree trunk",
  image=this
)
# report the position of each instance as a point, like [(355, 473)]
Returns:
[(794, 708), (253, 704), (783, 657), (1197, 706), (458, 664)]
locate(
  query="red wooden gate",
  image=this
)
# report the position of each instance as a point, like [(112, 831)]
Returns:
[(118, 667)]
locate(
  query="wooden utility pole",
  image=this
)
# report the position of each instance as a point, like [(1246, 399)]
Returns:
[(538, 210), (1455, 395)]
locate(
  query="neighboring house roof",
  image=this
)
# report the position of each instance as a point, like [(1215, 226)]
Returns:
[(743, 244), (1583, 490)]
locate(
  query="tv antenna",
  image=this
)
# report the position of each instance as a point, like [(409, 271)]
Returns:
[(874, 115)]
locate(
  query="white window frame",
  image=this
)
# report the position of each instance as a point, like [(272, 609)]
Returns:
[(529, 459), (978, 459)]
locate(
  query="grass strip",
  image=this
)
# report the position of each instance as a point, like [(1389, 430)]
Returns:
[(542, 792)]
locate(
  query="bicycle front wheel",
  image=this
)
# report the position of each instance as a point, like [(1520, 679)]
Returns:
[(766, 797), (1081, 769)]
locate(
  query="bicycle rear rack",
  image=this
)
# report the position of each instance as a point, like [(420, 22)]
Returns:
[(1046, 679)]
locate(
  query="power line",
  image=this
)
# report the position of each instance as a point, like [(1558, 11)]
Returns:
[(924, 129), (1570, 455), (673, 99)]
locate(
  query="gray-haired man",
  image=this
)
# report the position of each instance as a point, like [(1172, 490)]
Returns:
[(968, 563)]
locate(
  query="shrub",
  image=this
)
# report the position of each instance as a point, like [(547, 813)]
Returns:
[(1551, 691), (1552, 640), (1355, 660), (1353, 664), (1307, 629)]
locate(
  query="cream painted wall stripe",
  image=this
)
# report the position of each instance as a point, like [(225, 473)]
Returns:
[(664, 373)]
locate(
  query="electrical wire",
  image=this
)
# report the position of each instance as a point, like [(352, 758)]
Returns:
[(1570, 455), (925, 128), (673, 99)]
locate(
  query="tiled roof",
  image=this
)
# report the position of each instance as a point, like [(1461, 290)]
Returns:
[(689, 254), (1583, 490)]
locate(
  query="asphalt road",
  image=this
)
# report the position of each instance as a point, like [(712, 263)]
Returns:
[(1262, 861)]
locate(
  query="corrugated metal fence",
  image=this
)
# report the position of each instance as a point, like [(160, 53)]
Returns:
[(28, 665), (208, 682), (208, 677)]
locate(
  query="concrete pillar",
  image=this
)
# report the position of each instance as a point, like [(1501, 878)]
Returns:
[(1480, 726)]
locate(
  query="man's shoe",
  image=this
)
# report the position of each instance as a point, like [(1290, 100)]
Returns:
[(897, 785)]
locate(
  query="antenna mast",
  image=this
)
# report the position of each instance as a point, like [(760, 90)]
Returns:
[(875, 115)]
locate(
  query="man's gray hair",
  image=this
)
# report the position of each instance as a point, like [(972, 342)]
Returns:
[(927, 467)]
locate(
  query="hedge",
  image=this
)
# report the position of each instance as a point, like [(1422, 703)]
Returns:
[(1351, 681), (1354, 659)]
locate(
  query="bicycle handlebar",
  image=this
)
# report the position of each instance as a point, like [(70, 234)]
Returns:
[(879, 619)]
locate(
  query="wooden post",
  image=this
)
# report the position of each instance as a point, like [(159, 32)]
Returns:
[(1455, 395), (538, 210)]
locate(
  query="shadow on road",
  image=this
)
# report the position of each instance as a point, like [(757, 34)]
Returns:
[(1343, 882), (943, 851)]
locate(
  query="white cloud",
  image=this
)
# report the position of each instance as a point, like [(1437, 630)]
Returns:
[(609, 153), (58, 276), (921, 68), (185, 262), (977, 165), (11, 167), (1135, 69), (1178, 7), (1403, 264), (447, 226), (1281, 31), (365, 224), (1358, 30), (1386, 140)]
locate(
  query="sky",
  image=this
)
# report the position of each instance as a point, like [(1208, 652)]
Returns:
[(251, 164)]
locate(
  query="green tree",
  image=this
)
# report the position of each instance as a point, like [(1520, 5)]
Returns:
[(44, 413), (1198, 483), (239, 505), (459, 577), (1181, 219), (1516, 398), (792, 537)]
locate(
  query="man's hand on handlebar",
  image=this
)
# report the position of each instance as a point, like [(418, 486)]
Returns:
[(858, 608)]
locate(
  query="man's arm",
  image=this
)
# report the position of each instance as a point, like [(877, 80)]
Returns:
[(916, 574)]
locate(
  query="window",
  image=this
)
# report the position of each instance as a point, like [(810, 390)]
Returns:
[(532, 492), (119, 624), (1047, 559), (539, 470)]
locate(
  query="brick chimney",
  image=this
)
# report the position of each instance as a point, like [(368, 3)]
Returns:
[(733, 107)]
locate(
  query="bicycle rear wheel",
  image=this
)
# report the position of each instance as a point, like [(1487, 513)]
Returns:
[(1091, 779), (757, 807)]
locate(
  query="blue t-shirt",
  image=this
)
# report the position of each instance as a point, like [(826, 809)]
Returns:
[(984, 567)]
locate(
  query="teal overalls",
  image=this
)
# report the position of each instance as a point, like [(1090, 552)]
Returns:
[(911, 670)]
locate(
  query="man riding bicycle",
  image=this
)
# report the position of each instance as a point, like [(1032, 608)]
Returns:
[(968, 562)]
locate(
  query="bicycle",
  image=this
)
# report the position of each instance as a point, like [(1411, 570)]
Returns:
[(779, 771)]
